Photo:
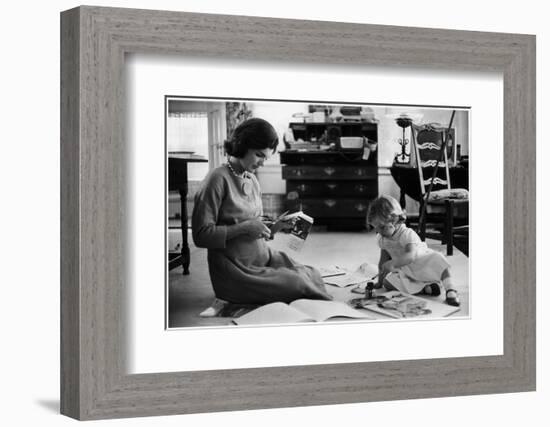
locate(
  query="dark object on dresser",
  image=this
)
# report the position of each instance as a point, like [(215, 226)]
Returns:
[(317, 134)]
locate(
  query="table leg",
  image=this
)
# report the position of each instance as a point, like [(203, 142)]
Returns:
[(449, 225), (402, 201), (185, 255)]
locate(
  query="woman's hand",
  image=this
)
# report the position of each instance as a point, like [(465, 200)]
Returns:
[(317, 291), (255, 229), (282, 225)]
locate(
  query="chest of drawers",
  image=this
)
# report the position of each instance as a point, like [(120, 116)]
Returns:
[(334, 187)]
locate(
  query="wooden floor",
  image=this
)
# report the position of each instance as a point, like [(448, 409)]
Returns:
[(191, 294)]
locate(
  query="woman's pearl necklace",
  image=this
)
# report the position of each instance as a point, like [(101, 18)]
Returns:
[(243, 175), (246, 185)]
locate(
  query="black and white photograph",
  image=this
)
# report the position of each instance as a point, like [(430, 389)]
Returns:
[(218, 184), (283, 212)]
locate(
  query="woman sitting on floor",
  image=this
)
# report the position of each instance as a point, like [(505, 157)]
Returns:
[(227, 221)]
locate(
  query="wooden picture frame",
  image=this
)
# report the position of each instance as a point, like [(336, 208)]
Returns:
[(94, 41)]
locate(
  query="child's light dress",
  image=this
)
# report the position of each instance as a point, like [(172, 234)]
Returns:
[(426, 268)]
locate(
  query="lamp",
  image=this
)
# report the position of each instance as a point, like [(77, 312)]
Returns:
[(404, 117)]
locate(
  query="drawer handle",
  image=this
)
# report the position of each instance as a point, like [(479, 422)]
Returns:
[(302, 187), (361, 207), (361, 188), (329, 171), (330, 203), (359, 172), (297, 172), (332, 186)]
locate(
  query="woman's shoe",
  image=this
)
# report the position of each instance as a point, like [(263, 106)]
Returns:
[(452, 300)]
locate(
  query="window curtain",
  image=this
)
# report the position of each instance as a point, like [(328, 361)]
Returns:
[(236, 113), (217, 131)]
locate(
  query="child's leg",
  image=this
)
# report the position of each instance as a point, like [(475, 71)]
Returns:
[(431, 289), (451, 295)]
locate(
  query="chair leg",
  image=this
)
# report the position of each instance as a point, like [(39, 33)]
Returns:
[(422, 222), (448, 232)]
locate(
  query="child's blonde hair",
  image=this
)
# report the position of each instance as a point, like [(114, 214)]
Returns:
[(387, 210)]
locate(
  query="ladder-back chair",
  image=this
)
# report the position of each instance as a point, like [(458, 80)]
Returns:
[(438, 201)]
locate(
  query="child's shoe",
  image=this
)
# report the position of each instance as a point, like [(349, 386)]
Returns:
[(431, 289), (452, 299)]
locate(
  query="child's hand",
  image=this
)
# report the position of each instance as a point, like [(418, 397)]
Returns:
[(381, 276)]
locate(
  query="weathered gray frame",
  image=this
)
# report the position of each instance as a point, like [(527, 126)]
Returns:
[(94, 42)]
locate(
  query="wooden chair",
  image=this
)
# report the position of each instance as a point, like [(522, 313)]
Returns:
[(439, 202)]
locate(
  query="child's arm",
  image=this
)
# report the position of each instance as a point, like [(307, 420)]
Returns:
[(408, 257), (384, 258)]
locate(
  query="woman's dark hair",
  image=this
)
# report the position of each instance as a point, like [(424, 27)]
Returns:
[(251, 134)]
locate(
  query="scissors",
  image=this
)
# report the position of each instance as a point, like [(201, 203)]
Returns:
[(280, 217), (273, 221), (272, 226)]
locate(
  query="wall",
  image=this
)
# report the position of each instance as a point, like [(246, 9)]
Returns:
[(280, 114), (29, 218)]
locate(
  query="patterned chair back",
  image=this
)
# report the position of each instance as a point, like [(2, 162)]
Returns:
[(427, 141)]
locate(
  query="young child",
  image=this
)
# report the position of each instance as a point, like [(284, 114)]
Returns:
[(416, 268)]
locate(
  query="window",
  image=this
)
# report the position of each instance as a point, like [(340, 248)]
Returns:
[(187, 132)]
